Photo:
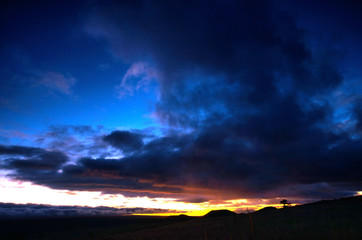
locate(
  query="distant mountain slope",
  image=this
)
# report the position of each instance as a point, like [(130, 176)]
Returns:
[(350, 206), (355, 200), (335, 219), (267, 210), (220, 213)]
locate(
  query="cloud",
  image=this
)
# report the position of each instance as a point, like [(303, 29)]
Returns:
[(124, 140), (252, 103), (216, 59), (20, 150), (24, 82), (76, 141), (33, 164), (62, 130), (49, 161), (138, 77), (11, 211), (28, 161), (212, 164), (57, 82)]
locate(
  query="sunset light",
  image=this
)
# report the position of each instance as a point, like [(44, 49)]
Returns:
[(12, 191)]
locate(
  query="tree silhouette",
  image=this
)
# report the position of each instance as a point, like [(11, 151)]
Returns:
[(285, 203)]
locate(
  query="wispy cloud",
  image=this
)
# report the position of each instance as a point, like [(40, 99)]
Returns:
[(138, 77), (25, 84), (57, 82)]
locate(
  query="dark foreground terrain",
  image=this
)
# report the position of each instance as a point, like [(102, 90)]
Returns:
[(337, 219)]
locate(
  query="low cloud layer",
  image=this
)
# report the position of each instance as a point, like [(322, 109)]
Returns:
[(10, 211)]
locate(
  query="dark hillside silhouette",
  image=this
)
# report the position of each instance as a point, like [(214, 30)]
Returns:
[(220, 213), (332, 219)]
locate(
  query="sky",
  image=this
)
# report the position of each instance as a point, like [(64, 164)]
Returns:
[(169, 107)]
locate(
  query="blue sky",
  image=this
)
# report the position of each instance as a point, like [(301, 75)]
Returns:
[(54, 73)]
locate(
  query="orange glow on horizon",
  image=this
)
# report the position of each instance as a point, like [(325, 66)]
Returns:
[(12, 191)]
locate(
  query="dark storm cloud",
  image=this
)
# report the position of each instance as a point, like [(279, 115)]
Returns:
[(20, 150), (29, 162), (124, 140), (215, 57), (214, 163), (243, 84), (243, 75), (45, 161)]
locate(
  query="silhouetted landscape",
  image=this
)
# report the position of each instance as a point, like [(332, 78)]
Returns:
[(332, 219)]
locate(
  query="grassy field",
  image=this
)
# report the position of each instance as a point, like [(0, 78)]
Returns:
[(337, 219)]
